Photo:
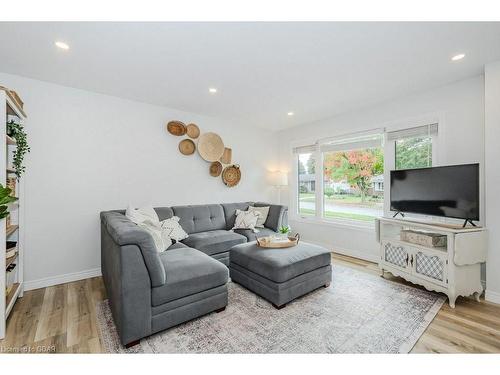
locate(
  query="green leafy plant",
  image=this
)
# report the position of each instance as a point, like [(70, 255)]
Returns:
[(285, 229), (5, 199), (16, 131)]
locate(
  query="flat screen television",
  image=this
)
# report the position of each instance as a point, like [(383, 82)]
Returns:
[(449, 191)]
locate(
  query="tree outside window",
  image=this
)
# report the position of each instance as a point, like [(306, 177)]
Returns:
[(352, 181)]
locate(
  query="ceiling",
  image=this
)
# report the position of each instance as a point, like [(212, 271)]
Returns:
[(262, 70)]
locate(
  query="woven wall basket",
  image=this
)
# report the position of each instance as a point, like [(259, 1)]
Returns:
[(177, 128), (231, 175), (187, 147), (226, 156), (215, 169), (193, 131), (210, 146)]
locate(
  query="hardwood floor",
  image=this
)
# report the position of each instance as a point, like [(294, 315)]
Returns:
[(62, 319)]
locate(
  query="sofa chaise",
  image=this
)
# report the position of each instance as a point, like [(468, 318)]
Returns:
[(149, 291)]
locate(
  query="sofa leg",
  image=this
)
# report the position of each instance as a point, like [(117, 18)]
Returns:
[(220, 310), (133, 343), (279, 307), (327, 285)]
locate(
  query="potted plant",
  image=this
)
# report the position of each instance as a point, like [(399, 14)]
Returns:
[(5, 199), (284, 230), (16, 131)]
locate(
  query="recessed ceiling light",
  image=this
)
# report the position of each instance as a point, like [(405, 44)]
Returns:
[(460, 56), (62, 45), (212, 90), (290, 113)]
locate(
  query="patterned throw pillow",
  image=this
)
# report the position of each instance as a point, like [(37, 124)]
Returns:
[(161, 240), (173, 229), (246, 220), (146, 218), (263, 211)]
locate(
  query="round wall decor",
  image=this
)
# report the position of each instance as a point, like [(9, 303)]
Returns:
[(215, 169), (193, 131), (210, 146), (177, 128), (187, 147), (231, 175)]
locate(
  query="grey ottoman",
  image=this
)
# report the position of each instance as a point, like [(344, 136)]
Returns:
[(280, 275)]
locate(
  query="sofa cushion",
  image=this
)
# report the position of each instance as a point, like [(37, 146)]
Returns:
[(230, 212), (280, 265), (276, 217), (215, 241), (250, 235), (164, 213), (200, 218), (189, 272)]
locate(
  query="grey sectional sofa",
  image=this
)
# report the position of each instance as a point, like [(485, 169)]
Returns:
[(150, 291)]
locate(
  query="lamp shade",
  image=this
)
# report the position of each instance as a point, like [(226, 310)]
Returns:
[(278, 178)]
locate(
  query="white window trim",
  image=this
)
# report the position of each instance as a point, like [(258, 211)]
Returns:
[(389, 164), (390, 156), (318, 157)]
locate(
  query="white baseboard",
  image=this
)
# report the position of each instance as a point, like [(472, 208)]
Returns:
[(356, 254), (348, 252), (61, 279), (492, 296)]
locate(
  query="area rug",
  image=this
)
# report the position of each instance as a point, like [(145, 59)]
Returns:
[(358, 313)]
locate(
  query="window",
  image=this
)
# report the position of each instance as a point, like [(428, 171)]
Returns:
[(305, 157), (307, 184), (342, 178), (413, 147), (353, 178)]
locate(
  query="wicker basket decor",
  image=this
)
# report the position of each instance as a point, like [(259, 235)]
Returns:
[(187, 147), (231, 175), (210, 147), (177, 128), (215, 169), (193, 131)]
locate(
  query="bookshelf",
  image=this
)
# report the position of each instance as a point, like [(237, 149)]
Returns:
[(11, 228)]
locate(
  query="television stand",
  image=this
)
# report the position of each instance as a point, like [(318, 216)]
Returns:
[(468, 221), (453, 268), (398, 213)]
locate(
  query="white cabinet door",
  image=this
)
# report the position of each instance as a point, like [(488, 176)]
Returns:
[(430, 265), (396, 255)]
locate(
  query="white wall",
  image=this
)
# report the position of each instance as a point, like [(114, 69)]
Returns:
[(459, 108), (91, 152), (492, 124)]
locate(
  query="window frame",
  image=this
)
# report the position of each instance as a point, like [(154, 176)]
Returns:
[(390, 156), (389, 151), (319, 217)]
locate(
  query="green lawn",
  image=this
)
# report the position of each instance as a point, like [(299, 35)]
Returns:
[(339, 215)]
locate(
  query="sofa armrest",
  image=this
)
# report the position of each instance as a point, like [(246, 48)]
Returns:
[(128, 288), (124, 232), (278, 215)]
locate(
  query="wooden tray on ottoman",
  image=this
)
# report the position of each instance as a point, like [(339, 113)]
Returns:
[(271, 243)]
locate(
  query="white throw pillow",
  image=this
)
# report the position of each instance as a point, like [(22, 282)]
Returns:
[(160, 238), (143, 214), (146, 218), (173, 229), (246, 220), (263, 211)]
